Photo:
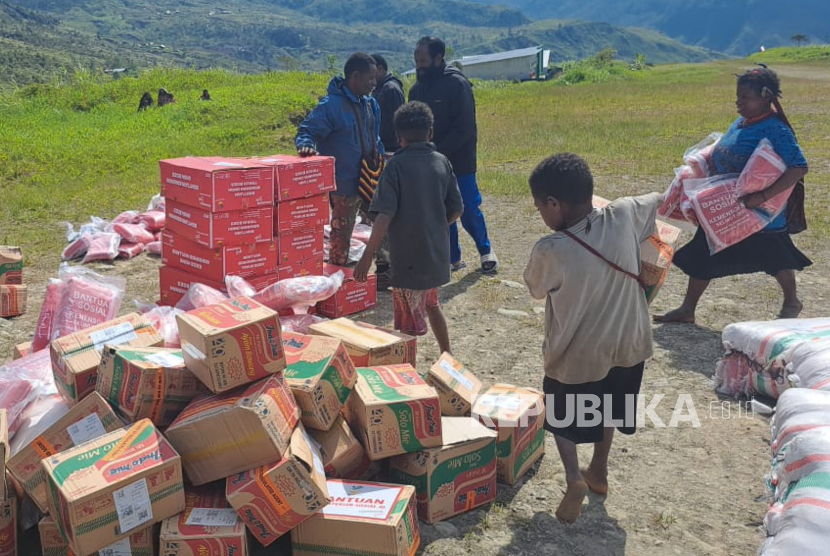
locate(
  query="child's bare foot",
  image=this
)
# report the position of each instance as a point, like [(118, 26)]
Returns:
[(678, 315), (791, 310), (597, 483), (571, 505)]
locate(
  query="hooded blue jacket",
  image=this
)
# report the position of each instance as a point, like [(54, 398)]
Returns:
[(332, 129)]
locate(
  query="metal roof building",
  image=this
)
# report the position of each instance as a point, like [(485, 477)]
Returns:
[(522, 64)]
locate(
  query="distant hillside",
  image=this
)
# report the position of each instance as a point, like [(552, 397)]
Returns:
[(737, 27), (260, 35)]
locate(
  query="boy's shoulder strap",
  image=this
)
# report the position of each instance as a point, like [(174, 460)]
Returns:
[(597, 254)]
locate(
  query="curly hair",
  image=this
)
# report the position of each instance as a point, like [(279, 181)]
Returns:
[(763, 81), (413, 121), (564, 176)]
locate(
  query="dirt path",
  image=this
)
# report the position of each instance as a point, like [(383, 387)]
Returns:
[(686, 491)]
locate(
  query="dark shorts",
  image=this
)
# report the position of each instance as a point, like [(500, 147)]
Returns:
[(621, 387)]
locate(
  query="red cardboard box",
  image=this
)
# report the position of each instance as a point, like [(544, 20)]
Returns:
[(253, 259), (353, 297), (310, 267), (301, 245), (174, 283), (296, 177), (301, 214), (216, 183), (215, 229)]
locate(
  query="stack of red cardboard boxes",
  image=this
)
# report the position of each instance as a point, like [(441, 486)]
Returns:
[(258, 218)]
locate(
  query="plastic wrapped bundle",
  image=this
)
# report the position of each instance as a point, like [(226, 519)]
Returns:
[(133, 233), (675, 195), (798, 410), (88, 299), (732, 374), (103, 247), (77, 248), (153, 220), (164, 320), (22, 381), (130, 250), (807, 453), (300, 293), (154, 248), (762, 170), (126, 217), (239, 287), (798, 522), (809, 364), (299, 324), (45, 322), (200, 295)]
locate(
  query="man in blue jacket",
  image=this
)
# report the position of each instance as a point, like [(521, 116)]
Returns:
[(346, 125), (450, 96)]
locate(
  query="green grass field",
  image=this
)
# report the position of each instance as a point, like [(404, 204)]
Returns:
[(78, 147)]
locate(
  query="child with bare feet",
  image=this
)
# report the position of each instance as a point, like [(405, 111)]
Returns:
[(597, 329)]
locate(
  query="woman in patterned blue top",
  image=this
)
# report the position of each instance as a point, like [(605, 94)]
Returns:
[(771, 250)]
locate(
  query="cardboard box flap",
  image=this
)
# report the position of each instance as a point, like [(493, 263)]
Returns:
[(454, 373), (116, 331), (458, 430), (348, 331), (306, 450), (392, 383), (505, 403)]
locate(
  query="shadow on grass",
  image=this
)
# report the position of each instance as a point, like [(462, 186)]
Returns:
[(690, 347)]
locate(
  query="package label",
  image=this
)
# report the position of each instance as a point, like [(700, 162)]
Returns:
[(86, 429), (133, 505)]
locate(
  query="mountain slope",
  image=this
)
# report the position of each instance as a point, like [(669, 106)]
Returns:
[(736, 27)]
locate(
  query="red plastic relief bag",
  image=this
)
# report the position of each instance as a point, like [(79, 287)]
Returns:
[(300, 293), (133, 233), (88, 299), (200, 295), (697, 157), (721, 215), (762, 170), (103, 247), (130, 250), (675, 195), (154, 248), (164, 320), (45, 322), (21, 381), (126, 217), (154, 220), (77, 248)]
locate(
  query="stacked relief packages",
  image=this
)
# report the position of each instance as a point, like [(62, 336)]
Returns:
[(712, 202)]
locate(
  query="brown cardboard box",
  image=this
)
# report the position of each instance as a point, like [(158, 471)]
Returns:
[(411, 342), (455, 478), (222, 434), (11, 266), (457, 387), (109, 488), (8, 526), (75, 358), (394, 411), (518, 415), (147, 383), (53, 544), (22, 350), (231, 343), (4, 451), (275, 498), (321, 376), (367, 346), (361, 518), (342, 453), (12, 301), (209, 526), (90, 418)]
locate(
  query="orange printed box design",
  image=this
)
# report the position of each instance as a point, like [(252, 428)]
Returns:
[(369, 518), (394, 411), (275, 498), (147, 383), (298, 177), (12, 301), (216, 229), (219, 435), (76, 357), (353, 297), (301, 214), (457, 387), (11, 265), (217, 184), (208, 526), (518, 415), (252, 259), (231, 343), (321, 376), (110, 488), (90, 418), (53, 544), (454, 478)]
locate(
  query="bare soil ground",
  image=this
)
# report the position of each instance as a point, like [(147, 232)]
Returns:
[(685, 491)]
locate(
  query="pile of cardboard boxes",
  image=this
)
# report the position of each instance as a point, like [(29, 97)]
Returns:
[(247, 434), (12, 289)]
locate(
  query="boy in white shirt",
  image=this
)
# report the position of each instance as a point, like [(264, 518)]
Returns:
[(597, 327)]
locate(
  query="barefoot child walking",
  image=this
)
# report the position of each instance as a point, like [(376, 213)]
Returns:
[(597, 329), (417, 197)]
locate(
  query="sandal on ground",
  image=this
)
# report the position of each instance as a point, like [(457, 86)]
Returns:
[(489, 263), (458, 266)]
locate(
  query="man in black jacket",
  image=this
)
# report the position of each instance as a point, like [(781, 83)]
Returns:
[(450, 96), (389, 94)]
